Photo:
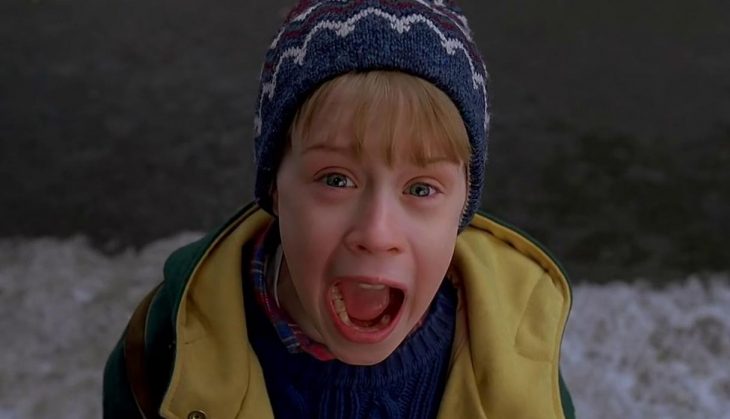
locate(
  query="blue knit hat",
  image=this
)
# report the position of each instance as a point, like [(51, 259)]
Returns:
[(321, 39)]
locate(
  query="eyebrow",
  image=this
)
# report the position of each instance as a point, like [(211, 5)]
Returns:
[(352, 151), (331, 148), (438, 159)]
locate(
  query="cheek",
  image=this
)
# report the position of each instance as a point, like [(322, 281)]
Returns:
[(433, 255), (309, 237), (434, 261)]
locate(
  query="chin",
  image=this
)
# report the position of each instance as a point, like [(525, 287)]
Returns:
[(364, 359), (365, 354)]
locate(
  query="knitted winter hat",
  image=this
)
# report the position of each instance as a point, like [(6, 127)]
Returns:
[(322, 39)]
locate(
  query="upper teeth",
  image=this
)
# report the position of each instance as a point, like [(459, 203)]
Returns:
[(367, 286)]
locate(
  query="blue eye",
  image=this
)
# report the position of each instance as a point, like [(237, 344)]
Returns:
[(338, 180), (421, 189)]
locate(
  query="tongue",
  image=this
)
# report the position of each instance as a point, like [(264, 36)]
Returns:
[(364, 303)]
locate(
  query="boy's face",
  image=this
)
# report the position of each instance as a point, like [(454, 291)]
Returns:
[(366, 244)]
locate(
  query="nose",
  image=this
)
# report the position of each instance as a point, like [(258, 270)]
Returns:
[(377, 227)]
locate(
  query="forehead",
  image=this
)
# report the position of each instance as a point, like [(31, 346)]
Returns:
[(393, 116)]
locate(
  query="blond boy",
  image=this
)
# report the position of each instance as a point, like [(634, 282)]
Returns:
[(359, 284)]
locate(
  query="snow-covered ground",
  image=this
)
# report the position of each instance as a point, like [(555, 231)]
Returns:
[(630, 351)]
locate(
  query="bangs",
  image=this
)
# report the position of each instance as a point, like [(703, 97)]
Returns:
[(414, 119)]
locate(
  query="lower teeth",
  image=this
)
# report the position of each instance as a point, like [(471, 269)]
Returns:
[(346, 319)]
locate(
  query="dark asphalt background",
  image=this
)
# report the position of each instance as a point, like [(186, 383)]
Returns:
[(128, 121)]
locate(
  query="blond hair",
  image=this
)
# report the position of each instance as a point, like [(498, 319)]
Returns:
[(436, 129)]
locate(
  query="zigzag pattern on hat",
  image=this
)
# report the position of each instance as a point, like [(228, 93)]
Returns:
[(346, 27), (437, 6)]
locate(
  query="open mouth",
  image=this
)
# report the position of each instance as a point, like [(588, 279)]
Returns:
[(365, 311)]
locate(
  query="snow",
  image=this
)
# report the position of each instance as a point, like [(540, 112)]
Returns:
[(633, 351), (630, 351)]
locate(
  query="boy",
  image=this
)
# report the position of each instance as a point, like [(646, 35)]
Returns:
[(360, 284)]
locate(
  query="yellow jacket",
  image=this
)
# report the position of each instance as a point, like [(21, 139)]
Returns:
[(513, 305)]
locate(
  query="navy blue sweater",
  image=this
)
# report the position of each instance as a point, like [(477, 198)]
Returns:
[(408, 384)]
